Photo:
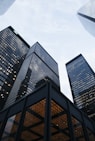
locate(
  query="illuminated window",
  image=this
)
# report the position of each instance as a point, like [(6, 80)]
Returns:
[(2, 95)]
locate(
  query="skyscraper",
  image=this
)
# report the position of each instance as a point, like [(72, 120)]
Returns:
[(37, 66), (22, 68), (35, 109), (13, 50), (86, 15), (82, 82), (5, 5)]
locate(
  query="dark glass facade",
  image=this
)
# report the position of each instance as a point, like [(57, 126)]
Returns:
[(37, 66), (42, 66), (45, 115), (82, 82), (13, 50), (34, 108), (22, 69)]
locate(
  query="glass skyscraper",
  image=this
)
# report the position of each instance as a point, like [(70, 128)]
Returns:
[(82, 82), (22, 68), (38, 67), (32, 105), (41, 67), (13, 50), (5, 5), (86, 15)]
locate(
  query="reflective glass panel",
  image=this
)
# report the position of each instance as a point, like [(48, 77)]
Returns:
[(11, 128), (12, 54), (82, 82), (39, 70)]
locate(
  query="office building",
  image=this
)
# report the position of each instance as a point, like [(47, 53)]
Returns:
[(37, 67), (86, 15), (35, 109), (45, 115), (41, 66), (13, 50), (82, 82), (23, 68)]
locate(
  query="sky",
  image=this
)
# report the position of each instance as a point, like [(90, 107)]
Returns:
[(56, 26)]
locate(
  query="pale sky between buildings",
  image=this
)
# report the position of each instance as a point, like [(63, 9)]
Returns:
[(55, 25)]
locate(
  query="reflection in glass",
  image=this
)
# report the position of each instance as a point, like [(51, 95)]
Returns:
[(82, 82), (11, 128), (12, 54), (59, 123), (39, 70), (41, 66)]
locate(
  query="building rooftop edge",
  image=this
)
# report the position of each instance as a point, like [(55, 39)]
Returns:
[(17, 34), (73, 59), (37, 43), (86, 16)]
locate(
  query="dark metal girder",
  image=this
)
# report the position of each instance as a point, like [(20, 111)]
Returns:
[(35, 133), (31, 126), (60, 129), (58, 114), (35, 114)]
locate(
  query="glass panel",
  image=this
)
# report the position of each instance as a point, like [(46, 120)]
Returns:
[(59, 124), (33, 127), (38, 73), (91, 135), (43, 54), (11, 128), (13, 50), (78, 130)]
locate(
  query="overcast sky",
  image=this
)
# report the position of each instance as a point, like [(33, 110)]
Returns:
[(55, 25)]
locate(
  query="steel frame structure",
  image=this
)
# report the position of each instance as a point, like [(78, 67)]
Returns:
[(53, 117)]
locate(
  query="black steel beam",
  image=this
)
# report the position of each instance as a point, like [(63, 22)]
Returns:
[(20, 126), (31, 126), (47, 133), (35, 114), (70, 125), (85, 130)]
